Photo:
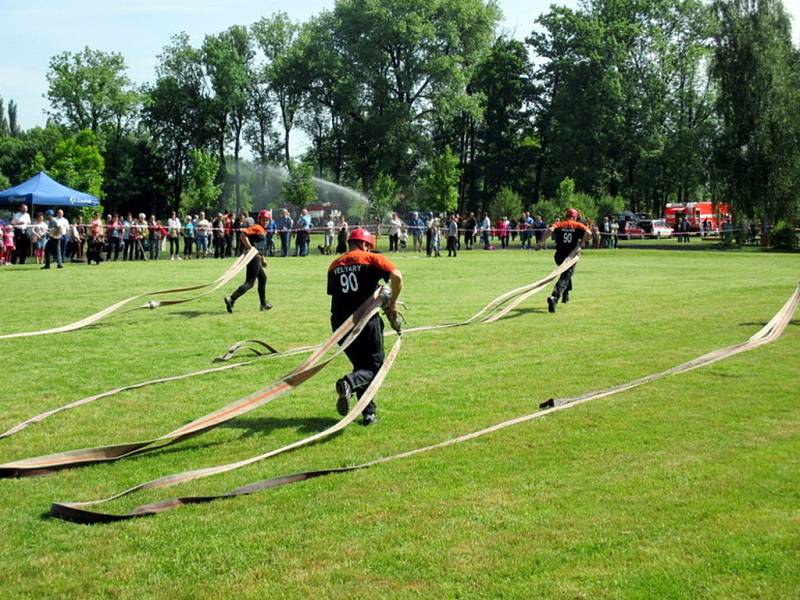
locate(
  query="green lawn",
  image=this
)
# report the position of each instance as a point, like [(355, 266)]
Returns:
[(687, 487)]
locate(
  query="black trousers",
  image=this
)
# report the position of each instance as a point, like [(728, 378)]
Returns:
[(22, 244), (452, 245), (366, 356), (564, 283), (254, 272)]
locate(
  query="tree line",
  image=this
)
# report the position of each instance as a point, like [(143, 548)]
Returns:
[(421, 104)]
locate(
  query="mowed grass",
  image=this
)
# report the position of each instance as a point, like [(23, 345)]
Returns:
[(687, 487)]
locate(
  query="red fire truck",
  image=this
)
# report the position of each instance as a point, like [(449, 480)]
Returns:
[(696, 213)]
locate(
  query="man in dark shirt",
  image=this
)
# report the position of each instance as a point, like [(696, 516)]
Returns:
[(568, 234), (253, 235), (352, 278)]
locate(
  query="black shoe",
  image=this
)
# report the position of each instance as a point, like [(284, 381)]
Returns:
[(343, 401), (369, 419), (565, 298), (551, 304), (43, 268), (60, 266), (229, 304), (266, 306)]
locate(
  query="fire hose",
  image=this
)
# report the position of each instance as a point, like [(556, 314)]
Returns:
[(229, 274), (513, 297), (80, 513)]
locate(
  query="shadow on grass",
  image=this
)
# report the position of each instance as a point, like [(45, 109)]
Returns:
[(266, 425), (793, 322), (521, 312), (192, 314)]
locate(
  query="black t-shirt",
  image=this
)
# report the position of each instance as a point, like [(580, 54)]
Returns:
[(353, 277), (568, 234)]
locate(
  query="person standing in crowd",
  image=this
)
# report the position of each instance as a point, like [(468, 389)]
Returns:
[(352, 278), (524, 231), (63, 224), (504, 229), (417, 227), (174, 233), (238, 227), (394, 232), (253, 235), (155, 233), (452, 236), (227, 231), (77, 235), (38, 232), (486, 228), (568, 234), (341, 235), (218, 236), (20, 222), (114, 237), (271, 228), (470, 227), (303, 233), (285, 224), (94, 245), (188, 237), (328, 240), (7, 243), (53, 247), (202, 228)]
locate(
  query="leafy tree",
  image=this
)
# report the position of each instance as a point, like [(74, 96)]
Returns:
[(410, 62), (4, 130), (383, 196), (89, 89), (506, 203), (13, 125), (175, 110), (283, 70), (502, 136), (228, 57), (202, 192), (78, 163), (758, 150), (298, 189), (441, 182)]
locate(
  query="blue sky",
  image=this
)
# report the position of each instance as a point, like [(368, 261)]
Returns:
[(35, 30)]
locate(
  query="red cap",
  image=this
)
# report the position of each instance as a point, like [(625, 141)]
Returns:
[(264, 214), (572, 213), (362, 235)]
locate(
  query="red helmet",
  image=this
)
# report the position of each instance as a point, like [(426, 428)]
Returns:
[(362, 235), (264, 214), (572, 213)]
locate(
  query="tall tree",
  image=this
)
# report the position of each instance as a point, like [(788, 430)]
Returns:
[(283, 69), (502, 137), (89, 89), (756, 69), (228, 59), (176, 108), (441, 182), (13, 123), (411, 61), (4, 130)]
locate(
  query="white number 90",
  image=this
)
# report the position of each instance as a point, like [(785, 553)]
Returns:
[(349, 282)]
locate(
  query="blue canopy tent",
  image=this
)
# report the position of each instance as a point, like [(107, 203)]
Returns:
[(41, 189)]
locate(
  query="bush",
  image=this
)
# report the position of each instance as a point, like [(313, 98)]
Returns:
[(507, 203), (784, 236)]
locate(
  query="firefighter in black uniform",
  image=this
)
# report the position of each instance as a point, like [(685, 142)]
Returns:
[(352, 278), (254, 235), (568, 234)]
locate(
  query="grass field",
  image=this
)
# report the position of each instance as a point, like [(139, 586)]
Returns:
[(688, 487)]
